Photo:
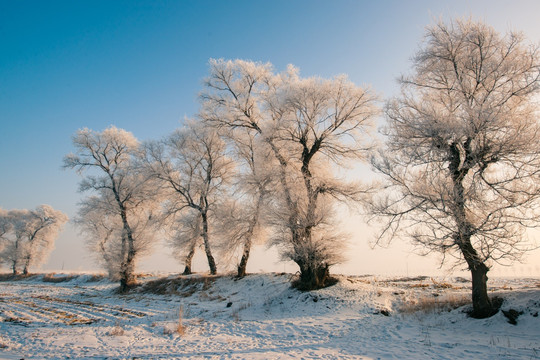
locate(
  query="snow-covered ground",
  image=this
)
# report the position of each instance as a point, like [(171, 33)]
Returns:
[(261, 317)]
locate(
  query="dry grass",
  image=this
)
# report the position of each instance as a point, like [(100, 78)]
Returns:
[(179, 328), (96, 278), (52, 278), (409, 279), (435, 304), (14, 277), (235, 314), (441, 285), (182, 286), (421, 285)]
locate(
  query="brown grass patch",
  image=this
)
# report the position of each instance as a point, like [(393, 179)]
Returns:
[(441, 285), (409, 279), (53, 278), (421, 285), (14, 277), (435, 304), (181, 285)]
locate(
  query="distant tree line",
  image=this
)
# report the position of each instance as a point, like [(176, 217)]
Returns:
[(459, 165), (27, 236)]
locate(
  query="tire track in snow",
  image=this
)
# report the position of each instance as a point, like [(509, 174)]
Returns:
[(43, 309)]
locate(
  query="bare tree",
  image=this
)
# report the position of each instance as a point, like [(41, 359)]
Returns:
[(128, 193), (461, 158), (308, 125), (193, 166), (30, 236)]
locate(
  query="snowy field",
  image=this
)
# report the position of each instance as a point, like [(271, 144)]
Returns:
[(261, 317)]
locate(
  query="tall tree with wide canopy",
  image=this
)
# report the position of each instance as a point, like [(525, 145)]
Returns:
[(461, 160), (308, 125), (127, 191), (193, 166)]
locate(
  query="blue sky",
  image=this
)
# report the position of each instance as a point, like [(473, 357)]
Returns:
[(139, 65)]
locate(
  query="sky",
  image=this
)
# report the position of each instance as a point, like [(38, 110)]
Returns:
[(139, 65)]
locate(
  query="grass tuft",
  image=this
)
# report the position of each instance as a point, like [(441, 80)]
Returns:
[(179, 328)]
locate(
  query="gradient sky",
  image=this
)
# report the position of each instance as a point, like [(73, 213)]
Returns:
[(139, 65)]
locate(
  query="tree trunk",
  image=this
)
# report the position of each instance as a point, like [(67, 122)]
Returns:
[(313, 277), (187, 270), (14, 262), (249, 236), (127, 276), (245, 256), (482, 305), (208, 251), (127, 267), (26, 265), (189, 258)]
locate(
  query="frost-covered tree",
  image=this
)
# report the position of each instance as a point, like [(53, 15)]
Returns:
[(185, 235), (462, 161), (308, 126), (129, 196), (194, 168), (30, 236), (103, 232), (13, 241), (241, 219), (42, 228), (99, 221), (5, 227)]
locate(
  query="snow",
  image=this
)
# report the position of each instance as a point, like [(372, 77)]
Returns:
[(261, 317)]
